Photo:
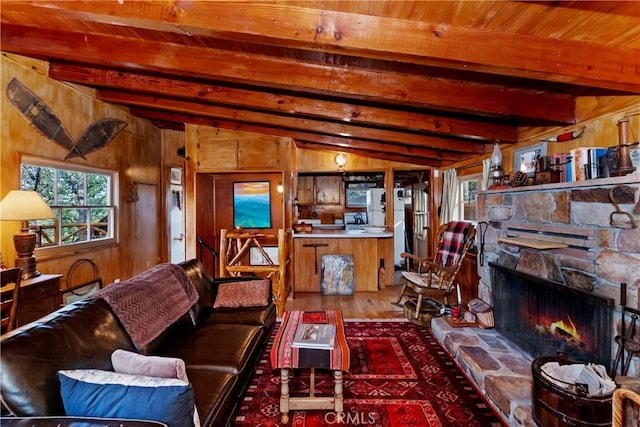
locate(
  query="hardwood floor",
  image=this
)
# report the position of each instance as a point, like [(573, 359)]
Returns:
[(362, 305)]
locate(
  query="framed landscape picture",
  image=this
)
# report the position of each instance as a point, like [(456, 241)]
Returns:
[(252, 204)]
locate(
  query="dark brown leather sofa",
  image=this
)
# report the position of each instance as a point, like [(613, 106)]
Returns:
[(220, 351)]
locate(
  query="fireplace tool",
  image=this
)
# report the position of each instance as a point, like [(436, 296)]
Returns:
[(617, 217), (625, 340)]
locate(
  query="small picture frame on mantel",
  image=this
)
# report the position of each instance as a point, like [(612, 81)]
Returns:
[(525, 158)]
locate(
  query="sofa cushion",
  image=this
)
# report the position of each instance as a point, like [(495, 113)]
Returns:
[(258, 316), (97, 393), (217, 392), (128, 362), (78, 336), (225, 348), (253, 293)]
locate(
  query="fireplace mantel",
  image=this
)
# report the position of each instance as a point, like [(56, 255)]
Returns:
[(633, 178)]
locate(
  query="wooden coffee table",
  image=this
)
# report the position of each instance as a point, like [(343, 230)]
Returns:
[(285, 357)]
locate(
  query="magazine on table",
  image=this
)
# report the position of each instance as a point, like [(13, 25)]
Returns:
[(313, 335)]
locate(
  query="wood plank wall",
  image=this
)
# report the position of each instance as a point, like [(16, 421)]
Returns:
[(134, 154)]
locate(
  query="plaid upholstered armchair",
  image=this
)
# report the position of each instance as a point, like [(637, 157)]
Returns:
[(434, 278)]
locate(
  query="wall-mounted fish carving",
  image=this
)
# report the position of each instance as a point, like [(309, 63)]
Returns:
[(43, 119)]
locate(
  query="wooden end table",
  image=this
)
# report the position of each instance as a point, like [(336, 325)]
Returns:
[(286, 357)]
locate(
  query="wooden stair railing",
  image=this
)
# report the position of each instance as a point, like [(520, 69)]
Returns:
[(234, 259), (214, 254)]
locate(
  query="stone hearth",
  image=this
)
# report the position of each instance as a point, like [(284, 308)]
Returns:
[(499, 369)]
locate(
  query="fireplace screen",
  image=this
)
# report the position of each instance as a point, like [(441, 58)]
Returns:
[(545, 317)]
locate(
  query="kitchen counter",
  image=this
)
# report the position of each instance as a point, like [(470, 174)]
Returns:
[(342, 234), (369, 251)]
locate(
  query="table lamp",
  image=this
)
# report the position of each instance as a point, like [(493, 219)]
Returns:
[(24, 206)]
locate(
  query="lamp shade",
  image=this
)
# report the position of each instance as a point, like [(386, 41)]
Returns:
[(24, 205), (496, 156)]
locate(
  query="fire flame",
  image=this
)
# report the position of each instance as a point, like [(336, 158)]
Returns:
[(565, 329)]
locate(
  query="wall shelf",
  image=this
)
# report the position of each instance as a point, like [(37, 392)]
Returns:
[(532, 243), (633, 178)]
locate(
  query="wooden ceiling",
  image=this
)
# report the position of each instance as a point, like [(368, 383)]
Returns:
[(422, 82)]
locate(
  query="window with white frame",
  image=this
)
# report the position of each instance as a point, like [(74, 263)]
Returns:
[(82, 199), (469, 186)]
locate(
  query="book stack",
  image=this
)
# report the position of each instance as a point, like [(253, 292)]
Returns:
[(563, 162), (314, 336), (586, 162)]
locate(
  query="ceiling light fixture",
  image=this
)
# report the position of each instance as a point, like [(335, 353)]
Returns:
[(341, 160)]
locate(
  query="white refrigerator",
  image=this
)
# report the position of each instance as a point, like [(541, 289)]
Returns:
[(398, 225), (377, 203), (376, 206)]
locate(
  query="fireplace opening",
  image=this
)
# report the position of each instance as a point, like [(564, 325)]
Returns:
[(544, 317)]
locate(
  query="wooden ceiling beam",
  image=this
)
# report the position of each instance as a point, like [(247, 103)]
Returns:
[(322, 127), (408, 154), (366, 84), (418, 42), (283, 103), (372, 154)]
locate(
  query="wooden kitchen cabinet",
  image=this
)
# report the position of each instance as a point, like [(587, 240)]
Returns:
[(328, 190), (306, 190), (307, 255), (39, 296), (319, 190)]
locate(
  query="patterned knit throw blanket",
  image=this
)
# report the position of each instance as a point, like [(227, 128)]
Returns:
[(452, 243), (148, 303)]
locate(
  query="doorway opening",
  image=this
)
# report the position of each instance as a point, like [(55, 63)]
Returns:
[(415, 201), (177, 248)]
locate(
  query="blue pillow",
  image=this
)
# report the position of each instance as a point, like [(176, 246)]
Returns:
[(95, 393)]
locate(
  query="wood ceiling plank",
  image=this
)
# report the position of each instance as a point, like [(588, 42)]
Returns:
[(284, 103), (369, 36), (414, 90), (266, 119)]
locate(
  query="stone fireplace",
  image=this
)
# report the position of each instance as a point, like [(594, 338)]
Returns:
[(565, 234), (544, 317)]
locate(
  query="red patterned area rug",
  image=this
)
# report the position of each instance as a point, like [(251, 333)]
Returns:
[(399, 377)]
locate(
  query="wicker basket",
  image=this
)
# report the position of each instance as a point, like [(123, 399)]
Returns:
[(427, 312), (483, 313)]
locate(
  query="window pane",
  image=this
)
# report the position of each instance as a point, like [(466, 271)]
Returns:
[(469, 192), (46, 231), (100, 223), (74, 225), (71, 188), (40, 179), (98, 190)]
